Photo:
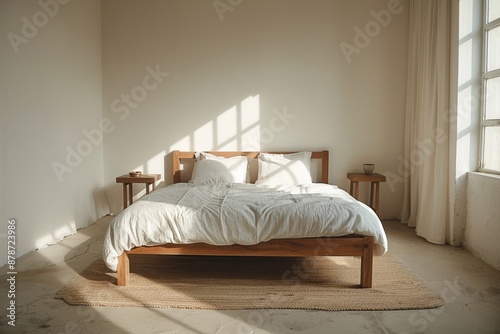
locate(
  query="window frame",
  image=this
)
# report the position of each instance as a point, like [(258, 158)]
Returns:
[(485, 75)]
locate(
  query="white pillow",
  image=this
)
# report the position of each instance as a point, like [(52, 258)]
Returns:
[(204, 155), (211, 169), (284, 169)]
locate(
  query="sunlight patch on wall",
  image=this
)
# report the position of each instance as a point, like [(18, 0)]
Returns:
[(465, 59), (155, 164), (227, 130), (203, 137), (465, 106), (463, 156), (183, 144), (250, 123), (251, 139), (250, 111), (237, 128)]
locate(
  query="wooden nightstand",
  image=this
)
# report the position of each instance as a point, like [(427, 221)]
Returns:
[(374, 179), (128, 181)]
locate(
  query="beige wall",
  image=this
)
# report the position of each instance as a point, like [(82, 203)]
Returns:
[(50, 92), (261, 75)]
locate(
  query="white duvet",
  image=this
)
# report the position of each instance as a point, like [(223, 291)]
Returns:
[(246, 214)]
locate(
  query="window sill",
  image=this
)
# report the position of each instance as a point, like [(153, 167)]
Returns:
[(489, 175)]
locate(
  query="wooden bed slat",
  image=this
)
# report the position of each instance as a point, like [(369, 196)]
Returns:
[(342, 246)]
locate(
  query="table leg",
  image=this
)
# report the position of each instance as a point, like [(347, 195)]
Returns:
[(125, 202), (351, 188), (147, 188), (377, 188), (356, 190), (130, 193), (372, 186)]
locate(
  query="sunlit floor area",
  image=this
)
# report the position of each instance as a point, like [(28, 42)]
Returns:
[(470, 287)]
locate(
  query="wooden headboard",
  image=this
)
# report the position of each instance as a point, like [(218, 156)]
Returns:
[(177, 156)]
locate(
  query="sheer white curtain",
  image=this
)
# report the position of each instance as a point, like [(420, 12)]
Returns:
[(426, 161)]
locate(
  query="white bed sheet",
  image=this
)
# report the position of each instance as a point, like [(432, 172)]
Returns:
[(246, 214)]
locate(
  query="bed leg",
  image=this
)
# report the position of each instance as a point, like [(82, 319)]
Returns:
[(367, 263), (123, 272)]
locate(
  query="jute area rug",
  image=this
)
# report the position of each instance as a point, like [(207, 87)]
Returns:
[(231, 283)]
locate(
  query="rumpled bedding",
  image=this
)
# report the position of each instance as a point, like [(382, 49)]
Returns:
[(239, 213)]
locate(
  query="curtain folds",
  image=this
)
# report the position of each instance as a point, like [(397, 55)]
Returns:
[(426, 150)]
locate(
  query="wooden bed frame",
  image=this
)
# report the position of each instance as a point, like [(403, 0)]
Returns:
[(351, 245)]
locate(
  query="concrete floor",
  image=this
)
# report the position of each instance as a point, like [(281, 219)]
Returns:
[(470, 287)]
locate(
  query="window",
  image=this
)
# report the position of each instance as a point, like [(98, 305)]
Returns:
[(490, 113)]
